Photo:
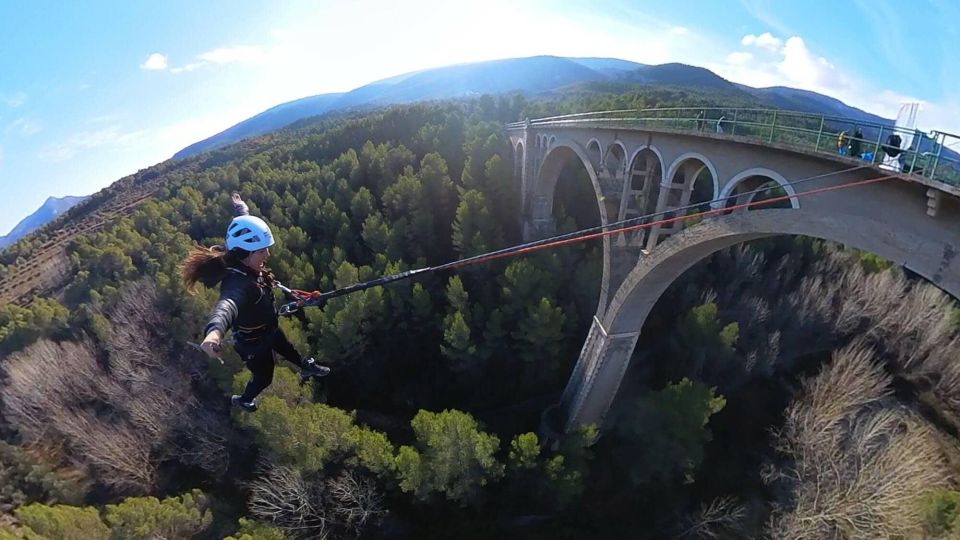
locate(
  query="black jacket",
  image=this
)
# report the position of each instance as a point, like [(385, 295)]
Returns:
[(247, 305)]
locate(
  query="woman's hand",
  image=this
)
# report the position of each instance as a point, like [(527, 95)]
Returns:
[(212, 346)]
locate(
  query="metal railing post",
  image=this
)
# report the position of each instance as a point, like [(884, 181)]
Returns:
[(819, 134), (876, 149), (773, 126), (936, 159), (917, 136), (733, 130)]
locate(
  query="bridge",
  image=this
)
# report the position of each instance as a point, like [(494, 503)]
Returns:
[(663, 161)]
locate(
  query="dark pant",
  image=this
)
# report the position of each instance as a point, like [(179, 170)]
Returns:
[(261, 364)]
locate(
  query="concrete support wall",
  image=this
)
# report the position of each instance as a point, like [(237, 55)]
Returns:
[(604, 359)]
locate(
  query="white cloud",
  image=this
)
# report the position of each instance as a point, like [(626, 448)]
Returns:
[(765, 40), (13, 100), (23, 127), (793, 64), (739, 57), (239, 54), (188, 67), (779, 63), (109, 136), (155, 62), (680, 30), (807, 69)]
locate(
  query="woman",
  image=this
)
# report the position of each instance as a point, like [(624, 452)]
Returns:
[(246, 302)]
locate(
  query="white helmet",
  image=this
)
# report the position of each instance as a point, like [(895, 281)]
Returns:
[(249, 233)]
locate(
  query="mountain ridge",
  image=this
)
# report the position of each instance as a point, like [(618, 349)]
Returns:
[(50, 209), (535, 75)]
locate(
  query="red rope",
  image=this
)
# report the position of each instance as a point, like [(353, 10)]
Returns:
[(668, 221), (315, 297), (303, 296)]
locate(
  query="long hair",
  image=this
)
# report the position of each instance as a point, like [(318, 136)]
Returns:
[(208, 265)]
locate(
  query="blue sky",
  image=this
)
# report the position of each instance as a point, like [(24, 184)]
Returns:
[(93, 91)]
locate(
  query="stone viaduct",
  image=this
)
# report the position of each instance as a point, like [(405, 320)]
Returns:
[(639, 167)]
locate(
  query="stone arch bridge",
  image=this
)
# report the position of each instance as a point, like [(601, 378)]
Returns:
[(646, 161)]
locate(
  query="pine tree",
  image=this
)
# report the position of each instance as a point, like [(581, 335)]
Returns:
[(452, 457)]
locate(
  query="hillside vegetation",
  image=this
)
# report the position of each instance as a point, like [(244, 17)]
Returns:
[(785, 388)]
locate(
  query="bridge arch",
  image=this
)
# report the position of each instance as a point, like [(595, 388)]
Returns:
[(595, 152), (616, 151), (610, 345), (652, 148), (693, 157), (553, 163), (641, 190), (740, 180), (545, 188)]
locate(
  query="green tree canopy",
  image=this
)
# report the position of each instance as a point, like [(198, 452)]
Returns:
[(452, 457)]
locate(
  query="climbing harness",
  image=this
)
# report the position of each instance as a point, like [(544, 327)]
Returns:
[(302, 299)]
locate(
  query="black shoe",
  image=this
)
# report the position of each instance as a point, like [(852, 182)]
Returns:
[(311, 368), (248, 406)]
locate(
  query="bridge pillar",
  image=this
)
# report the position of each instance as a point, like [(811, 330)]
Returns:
[(596, 376), (633, 201), (539, 222), (528, 164), (675, 192)]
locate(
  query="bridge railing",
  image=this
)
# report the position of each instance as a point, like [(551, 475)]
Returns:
[(934, 156)]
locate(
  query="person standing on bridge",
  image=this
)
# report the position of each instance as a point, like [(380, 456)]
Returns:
[(246, 302), (856, 142)]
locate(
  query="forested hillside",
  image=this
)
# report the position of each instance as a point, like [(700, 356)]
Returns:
[(785, 388)]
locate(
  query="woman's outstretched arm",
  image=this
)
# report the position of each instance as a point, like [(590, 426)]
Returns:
[(240, 208)]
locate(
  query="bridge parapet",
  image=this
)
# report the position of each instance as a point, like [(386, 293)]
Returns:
[(925, 158)]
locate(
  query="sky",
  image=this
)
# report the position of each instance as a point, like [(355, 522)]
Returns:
[(93, 91)]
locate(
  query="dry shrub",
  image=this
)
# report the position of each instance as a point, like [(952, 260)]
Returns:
[(787, 310), (123, 413), (857, 462), (339, 507), (721, 518), (282, 497)]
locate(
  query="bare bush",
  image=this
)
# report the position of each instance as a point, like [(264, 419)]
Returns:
[(787, 310), (721, 518), (358, 501), (856, 459), (858, 463), (339, 507), (58, 390), (284, 498), (122, 414)]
